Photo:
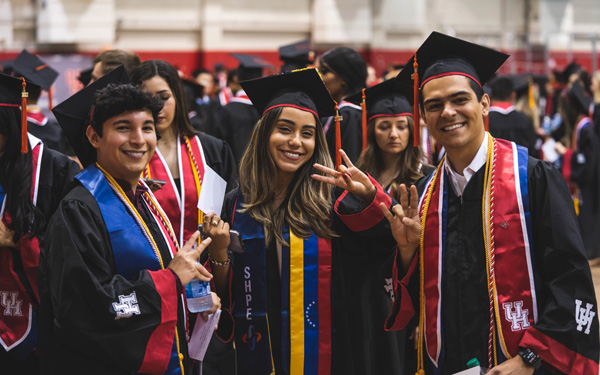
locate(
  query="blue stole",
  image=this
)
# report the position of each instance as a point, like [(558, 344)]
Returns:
[(131, 249), (305, 307)]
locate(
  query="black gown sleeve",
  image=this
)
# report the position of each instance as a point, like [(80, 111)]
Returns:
[(79, 290), (565, 335)]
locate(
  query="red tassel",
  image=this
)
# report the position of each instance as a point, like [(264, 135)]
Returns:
[(338, 138), (24, 96), (50, 106), (416, 118), (487, 122), (364, 120)]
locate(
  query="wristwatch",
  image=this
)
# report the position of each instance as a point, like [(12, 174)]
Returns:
[(530, 358)]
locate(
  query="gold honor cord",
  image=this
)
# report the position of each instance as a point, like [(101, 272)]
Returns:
[(132, 209)]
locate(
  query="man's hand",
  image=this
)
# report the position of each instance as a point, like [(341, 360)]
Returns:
[(405, 223), (6, 236), (513, 366), (218, 231), (185, 262), (349, 178)]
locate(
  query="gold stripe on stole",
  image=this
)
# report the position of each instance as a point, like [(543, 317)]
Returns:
[(296, 305)]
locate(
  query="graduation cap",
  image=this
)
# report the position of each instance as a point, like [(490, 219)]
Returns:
[(7, 66), (302, 89), (34, 69), (192, 88), (569, 70), (579, 98), (85, 76), (349, 65), (442, 55), (296, 55), (13, 93), (389, 98), (74, 114), (250, 66)]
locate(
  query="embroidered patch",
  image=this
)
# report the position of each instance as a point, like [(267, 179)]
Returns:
[(517, 317), (12, 305), (504, 225), (584, 316), (127, 306), (251, 337)]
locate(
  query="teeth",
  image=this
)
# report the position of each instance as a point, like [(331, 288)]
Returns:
[(453, 127), (291, 154), (138, 154)]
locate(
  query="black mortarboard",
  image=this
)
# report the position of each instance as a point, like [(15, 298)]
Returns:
[(389, 98), (349, 65), (192, 88), (32, 68), (7, 66), (296, 55), (302, 89), (11, 95), (569, 70), (579, 98), (73, 114), (442, 55), (250, 66), (85, 76)]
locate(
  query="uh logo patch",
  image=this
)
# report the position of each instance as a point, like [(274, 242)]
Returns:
[(584, 316), (516, 315), (11, 303), (127, 306)]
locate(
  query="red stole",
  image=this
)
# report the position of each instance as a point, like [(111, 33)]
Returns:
[(508, 249), (16, 305), (181, 208)]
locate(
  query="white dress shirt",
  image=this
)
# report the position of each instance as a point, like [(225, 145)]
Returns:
[(460, 182)]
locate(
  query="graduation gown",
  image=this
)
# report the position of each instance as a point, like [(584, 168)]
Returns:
[(351, 130), (52, 176), (89, 321), (508, 123), (561, 277), (182, 207), (585, 172), (236, 123), (361, 291)]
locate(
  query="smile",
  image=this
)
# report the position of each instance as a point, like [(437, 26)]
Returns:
[(453, 127), (291, 155), (134, 154)]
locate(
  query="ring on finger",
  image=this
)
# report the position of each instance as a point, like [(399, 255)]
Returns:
[(214, 223)]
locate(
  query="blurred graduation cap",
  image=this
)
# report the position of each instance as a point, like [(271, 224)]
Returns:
[(34, 69), (13, 93), (442, 55), (250, 66), (85, 76), (302, 89), (296, 55), (389, 98), (74, 114), (7, 66), (570, 69), (579, 98), (192, 88)]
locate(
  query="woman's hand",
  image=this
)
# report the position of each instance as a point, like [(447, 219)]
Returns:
[(405, 223), (218, 230), (6, 236), (185, 262), (216, 305), (350, 178)]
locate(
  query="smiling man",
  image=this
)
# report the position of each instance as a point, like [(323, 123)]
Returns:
[(503, 277), (111, 273)]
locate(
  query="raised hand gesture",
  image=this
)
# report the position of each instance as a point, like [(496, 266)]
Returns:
[(405, 223), (185, 262), (349, 178)]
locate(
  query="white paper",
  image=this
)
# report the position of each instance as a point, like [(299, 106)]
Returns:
[(550, 153), (471, 371), (212, 192), (201, 335)]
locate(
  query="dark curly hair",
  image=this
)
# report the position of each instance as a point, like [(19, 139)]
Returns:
[(115, 99)]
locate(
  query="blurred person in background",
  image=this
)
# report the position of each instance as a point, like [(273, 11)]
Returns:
[(595, 88), (107, 60)]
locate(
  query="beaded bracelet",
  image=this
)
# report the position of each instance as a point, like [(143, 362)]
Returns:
[(217, 263)]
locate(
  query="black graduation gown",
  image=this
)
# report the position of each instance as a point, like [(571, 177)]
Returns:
[(236, 123), (51, 134), (561, 272), (56, 176), (220, 158), (351, 132), (362, 265), (78, 283), (585, 172), (596, 119), (516, 127)]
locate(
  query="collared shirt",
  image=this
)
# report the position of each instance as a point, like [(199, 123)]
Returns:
[(460, 182), (134, 197)]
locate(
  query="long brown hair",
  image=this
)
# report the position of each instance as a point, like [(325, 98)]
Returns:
[(307, 206), (152, 68), (371, 160)]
